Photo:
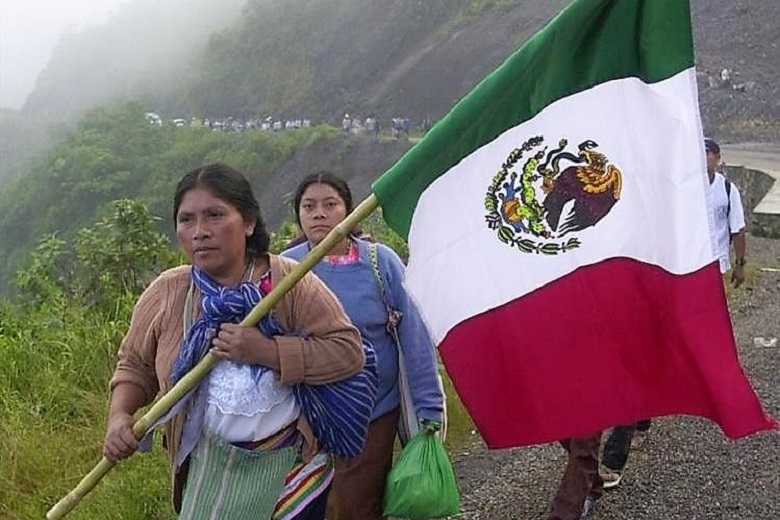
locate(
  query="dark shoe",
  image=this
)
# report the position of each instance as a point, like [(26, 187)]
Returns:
[(590, 505)]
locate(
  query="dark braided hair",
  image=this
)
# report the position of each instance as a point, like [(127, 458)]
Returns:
[(230, 185)]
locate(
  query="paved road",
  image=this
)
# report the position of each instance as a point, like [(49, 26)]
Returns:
[(764, 157)]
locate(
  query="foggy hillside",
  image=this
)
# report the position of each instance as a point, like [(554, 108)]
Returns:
[(322, 58), (143, 52)]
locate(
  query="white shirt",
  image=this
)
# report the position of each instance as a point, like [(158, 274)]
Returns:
[(726, 222), (241, 408)]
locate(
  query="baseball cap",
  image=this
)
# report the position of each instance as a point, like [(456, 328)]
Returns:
[(711, 146)]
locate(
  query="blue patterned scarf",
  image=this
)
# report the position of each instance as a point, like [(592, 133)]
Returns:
[(218, 304)]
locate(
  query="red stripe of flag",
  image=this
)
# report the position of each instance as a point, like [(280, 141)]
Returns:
[(608, 344)]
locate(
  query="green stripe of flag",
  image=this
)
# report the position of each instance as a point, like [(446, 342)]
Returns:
[(588, 43)]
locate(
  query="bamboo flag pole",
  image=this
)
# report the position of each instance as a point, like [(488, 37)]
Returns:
[(199, 371)]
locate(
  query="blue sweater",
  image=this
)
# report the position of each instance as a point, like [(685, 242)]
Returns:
[(358, 289)]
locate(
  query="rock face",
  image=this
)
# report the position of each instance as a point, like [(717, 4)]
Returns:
[(737, 57)]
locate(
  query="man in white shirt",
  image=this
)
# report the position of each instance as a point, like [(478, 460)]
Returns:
[(729, 218)]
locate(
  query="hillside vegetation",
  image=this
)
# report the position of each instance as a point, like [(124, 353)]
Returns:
[(116, 154)]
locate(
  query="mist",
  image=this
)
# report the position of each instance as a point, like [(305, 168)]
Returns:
[(29, 31), (112, 50), (142, 52)]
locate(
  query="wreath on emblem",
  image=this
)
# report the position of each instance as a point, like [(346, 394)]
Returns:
[(537, 224)]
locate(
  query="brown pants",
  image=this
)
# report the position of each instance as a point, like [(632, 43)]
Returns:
[(580, 477), (359, 483)]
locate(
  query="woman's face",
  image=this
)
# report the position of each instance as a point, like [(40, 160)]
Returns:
[(321, 209), (213, 234)]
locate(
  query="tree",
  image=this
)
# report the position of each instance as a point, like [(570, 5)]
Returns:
[(114, 258)]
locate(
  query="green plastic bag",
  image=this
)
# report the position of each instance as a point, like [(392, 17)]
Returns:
[(422, 484)]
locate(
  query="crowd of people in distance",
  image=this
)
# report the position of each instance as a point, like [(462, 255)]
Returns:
[(398, 127)]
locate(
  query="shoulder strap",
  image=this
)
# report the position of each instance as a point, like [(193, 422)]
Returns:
[(372, 255), (727, 183), (393, 315), (187, 314)]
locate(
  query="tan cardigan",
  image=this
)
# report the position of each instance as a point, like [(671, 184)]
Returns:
[(327, 349)]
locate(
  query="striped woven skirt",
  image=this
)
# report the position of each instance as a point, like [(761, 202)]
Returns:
[(268, 481)]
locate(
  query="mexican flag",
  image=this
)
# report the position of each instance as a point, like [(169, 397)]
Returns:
[(559, 237)]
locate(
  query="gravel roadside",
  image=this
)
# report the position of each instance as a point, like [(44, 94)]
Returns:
[(687, 469)]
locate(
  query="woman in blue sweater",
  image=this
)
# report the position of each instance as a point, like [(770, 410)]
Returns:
[(321, 202)]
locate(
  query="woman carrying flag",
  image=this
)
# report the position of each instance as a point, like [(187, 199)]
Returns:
[(240, 448)]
